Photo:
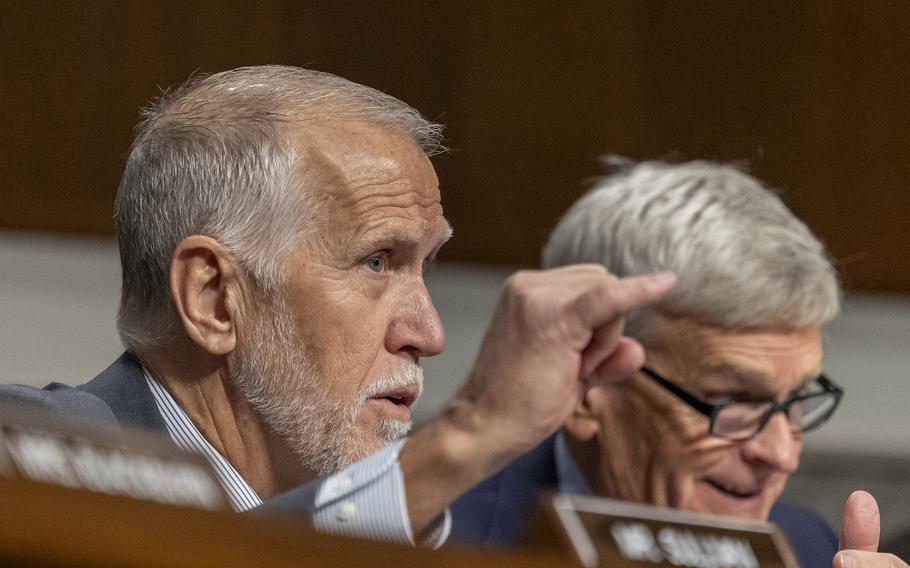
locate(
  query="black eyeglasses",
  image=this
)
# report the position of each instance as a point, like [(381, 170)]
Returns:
[(741, 420)]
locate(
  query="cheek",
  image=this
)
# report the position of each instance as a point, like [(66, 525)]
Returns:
[(344, 343), (685, 454), (693, 463), (649, 447)]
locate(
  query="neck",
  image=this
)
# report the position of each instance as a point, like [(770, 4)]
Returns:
[(202, 386), (585, 458)]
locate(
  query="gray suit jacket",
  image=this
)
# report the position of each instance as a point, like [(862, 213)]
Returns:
[(120, 395)]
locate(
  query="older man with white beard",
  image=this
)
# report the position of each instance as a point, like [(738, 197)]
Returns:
[(274, 226)]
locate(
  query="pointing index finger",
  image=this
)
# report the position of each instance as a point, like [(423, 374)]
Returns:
[(617, 297)]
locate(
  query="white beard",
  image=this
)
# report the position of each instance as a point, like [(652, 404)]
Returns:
[(276, 377)]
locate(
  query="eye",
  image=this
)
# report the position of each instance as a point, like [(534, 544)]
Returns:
[(376, 263)]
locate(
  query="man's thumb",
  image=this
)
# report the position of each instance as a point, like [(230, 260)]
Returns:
[(862, 523)]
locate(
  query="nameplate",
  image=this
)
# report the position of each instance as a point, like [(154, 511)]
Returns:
[(107, 460), (604, 532)]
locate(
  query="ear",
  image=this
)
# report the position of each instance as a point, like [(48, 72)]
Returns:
[(584, 423), (206, 286)]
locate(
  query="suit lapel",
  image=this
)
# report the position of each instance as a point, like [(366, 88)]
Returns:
[(518, 493), (123, 387)]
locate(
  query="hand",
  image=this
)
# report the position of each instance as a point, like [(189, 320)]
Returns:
[(553, 333), (859, 536)]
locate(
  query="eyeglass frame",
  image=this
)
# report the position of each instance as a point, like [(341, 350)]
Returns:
[(712, 410)]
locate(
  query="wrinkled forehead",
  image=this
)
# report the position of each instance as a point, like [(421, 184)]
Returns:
[(372, 185), (767, 359), (346, 156)]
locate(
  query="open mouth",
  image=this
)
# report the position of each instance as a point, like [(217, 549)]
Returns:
[(733, 490), (401, 398), (393, 395), (396, 405)]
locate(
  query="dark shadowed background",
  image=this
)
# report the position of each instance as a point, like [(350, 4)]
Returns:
[(813, 95)]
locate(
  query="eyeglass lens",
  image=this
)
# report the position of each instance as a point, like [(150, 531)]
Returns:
[(745, 419)]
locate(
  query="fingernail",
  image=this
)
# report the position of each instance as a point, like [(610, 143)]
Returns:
[(846, 560)]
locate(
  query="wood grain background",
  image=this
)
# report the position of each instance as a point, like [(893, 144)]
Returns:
[(814, 95)]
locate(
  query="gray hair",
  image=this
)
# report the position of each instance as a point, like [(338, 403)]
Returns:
[(741, 257), (215, 157)]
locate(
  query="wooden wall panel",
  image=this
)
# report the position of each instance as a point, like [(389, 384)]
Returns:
[(74, 75), (812, 94)]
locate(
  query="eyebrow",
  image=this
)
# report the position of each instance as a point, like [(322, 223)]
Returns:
[(394, 238), (752, 379)]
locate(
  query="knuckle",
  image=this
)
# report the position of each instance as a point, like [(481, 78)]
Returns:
[(602, 294), (519, 282), (524, 297), (598, 270)]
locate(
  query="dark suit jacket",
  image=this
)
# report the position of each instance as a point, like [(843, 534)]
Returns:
[(495, 513), (120, 395)]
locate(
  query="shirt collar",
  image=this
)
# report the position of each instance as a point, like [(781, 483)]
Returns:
[(185, 434), (568, 476)]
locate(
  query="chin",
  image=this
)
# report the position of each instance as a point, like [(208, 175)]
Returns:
[(378, 439)]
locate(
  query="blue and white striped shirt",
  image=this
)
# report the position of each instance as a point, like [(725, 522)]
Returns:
[(185, 434), (365, 499)]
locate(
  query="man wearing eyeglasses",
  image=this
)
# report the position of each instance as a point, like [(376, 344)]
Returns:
[(714, 421)]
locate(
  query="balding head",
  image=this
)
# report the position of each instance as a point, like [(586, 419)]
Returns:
[(222, 156)]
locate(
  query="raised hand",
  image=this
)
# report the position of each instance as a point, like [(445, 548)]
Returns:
[(554, 333)]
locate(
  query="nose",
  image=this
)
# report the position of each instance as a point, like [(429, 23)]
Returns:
[(416, 329), (776, 445)]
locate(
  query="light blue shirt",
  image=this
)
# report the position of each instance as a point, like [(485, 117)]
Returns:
[(568, 476)]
